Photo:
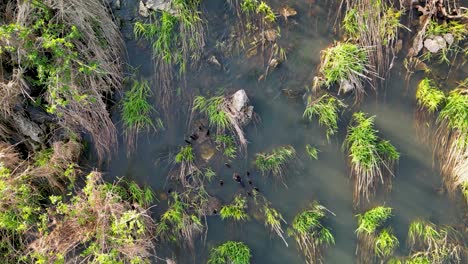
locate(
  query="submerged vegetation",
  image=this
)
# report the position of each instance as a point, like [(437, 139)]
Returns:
[(275, 162), (371, 159), (374, 239), (311, 234), (326, 109), (230, 252), (137, 113)]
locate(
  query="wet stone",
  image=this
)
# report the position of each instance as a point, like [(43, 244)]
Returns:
[(207, 151)]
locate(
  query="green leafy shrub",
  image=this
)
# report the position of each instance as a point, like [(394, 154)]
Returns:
[(275, 162), (326, 109), (230, 252), (235, 210)]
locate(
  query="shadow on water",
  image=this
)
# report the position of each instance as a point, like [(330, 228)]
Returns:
[(415, 189)]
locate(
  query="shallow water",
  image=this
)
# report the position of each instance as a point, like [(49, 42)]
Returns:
[(415, 187)]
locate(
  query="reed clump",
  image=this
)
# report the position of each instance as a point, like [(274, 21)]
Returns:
[(375, 240), (345, 64), (273, 220), (230, 252), (326, 108), (177, 41), (276, 161), (370, 158), (236, 210), (137, 113), (430, 243), (429, 99), (311, 234)]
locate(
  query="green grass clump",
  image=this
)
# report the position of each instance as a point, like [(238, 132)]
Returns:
[(235, 210), (439, 244), (351, 24), (343, 61), (265, 10), (373, 219), (312, 152), (227, 144), (179, 223), (213, 108), (429, 96), (185, 155), (273, 221), (371, 159), (310, 233), (326, 109), (375, 240), (385, 244), (137, 111), (457, 29), (230, 252), (276, 161)]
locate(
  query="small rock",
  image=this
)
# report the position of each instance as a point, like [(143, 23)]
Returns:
[(28, 128), (345, 87), (436, 44), (214, 61), (287, 12), (155, 5), (207, 152), (273, 63), (170, 261), (117, 4), (239, 100), (449, 38)]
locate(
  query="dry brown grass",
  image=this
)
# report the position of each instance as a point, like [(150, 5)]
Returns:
[(91, 218), (99, 41)]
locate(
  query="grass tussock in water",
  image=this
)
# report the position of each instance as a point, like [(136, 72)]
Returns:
[(310, 233), (276, 161), (236, 210), (177, 41), (345, 64), (217, 110), (273, 220), (429, 99), (54, 59), (137, 113), (375, 239), (230, 252), (326, 108), (370, 158), (430, 243)]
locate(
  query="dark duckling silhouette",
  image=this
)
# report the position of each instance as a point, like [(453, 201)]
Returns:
[(238, 179)]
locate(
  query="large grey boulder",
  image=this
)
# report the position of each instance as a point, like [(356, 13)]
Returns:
[(28, 128), (435, 44), (240, 107), (146, 6)]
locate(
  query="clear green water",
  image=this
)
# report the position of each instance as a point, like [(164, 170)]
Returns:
[(415, 188)]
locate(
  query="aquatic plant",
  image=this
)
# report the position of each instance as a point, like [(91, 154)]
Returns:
[(435, 244), (371, 159), (235, 210), (219, 115), (312, 152), (137, 113), (310, 233), (374, 239), (346, 64), (326, 108), (227, 145), (72, 60), (374, 24), (273, 220), (452, 138), (428, 96), (275, 162), (176, 39), (179, 224), (185, 160), (230, 252)]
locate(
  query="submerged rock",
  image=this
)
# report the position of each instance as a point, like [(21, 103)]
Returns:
[(287, 12), (207, 151), (271, 35), (155, 5), (240, 106), (28, 128)]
